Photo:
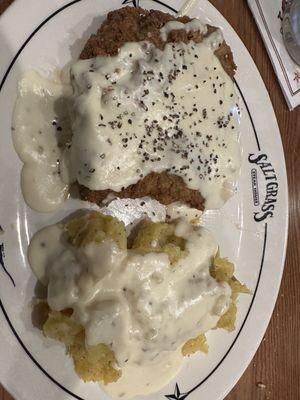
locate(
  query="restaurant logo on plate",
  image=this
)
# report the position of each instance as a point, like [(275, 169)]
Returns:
[(265, 204)]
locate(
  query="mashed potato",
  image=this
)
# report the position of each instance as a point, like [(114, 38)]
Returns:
[(98, 363)]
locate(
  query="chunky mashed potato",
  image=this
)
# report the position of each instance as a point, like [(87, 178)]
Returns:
[(98, 363)]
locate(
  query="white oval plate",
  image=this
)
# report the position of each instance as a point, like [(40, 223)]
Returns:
[(251, 228)]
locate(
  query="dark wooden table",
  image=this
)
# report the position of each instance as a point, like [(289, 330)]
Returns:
[(274, 373)]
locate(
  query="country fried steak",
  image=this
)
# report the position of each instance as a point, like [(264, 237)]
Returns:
[(131, 24)]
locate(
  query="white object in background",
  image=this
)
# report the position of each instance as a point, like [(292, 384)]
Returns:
[(291, 29), (268, 15)]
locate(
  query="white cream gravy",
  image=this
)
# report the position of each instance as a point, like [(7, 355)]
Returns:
[(143, 110), (40, 130), (139, 305)]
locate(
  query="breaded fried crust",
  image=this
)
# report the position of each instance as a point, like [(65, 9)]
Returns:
[(163, 187)]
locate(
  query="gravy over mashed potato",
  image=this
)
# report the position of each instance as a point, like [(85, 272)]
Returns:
[(141, 298)]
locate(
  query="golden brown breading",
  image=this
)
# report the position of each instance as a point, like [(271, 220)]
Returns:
[(163, 187)]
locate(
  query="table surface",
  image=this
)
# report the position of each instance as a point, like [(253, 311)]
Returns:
[(274, 373)]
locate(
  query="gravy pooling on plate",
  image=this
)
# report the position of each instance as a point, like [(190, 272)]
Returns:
[(141, 111)]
